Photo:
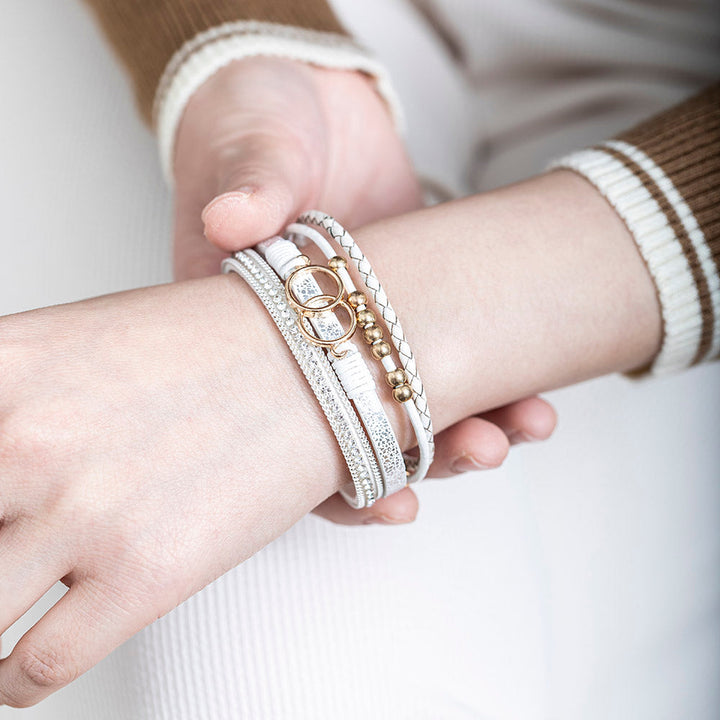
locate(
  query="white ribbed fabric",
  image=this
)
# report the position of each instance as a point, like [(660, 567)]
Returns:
[(208, 52), (691, 227), (657, 243)]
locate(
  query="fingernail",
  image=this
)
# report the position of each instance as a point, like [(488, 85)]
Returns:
[(227, 201), (519, 436), (387, 520), (466, 463)]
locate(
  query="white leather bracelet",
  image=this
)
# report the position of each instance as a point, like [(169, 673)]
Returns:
[(352, 371), (417, 408), (321, 377)]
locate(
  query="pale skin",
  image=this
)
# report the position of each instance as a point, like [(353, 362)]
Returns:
[(152, 440), (264, 139)]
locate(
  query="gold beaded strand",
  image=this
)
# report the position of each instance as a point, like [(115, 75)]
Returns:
[(373, 336)]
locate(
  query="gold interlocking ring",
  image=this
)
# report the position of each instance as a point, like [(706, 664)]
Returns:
[(330, 344), (307, 310)]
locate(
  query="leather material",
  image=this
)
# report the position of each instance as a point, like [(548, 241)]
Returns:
[(351, 369), (417, 409), (320, 375)]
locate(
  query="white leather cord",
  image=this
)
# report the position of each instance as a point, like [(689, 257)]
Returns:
[(417, 409), (322, 243), (321, 377), (352, 371)]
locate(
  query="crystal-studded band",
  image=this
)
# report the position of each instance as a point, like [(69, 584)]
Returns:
[(415, 404), (349, 365), (342, 418)]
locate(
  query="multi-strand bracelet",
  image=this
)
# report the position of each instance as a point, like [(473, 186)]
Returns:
[(287, 283)]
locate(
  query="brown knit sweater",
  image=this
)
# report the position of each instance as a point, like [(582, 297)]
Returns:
[(146, 33), (662, 177)]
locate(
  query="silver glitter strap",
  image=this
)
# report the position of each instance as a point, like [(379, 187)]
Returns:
[(322, 379)]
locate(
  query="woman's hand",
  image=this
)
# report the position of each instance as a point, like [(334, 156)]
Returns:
[(265, 139), (149, 441)]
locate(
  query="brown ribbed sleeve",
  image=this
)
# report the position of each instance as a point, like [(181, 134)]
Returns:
[(663, 179), (146, 33), (685, 143)]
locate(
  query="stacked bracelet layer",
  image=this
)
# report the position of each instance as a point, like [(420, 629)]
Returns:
[(321, 377), (415, 405), (333, 365), (317, 310)]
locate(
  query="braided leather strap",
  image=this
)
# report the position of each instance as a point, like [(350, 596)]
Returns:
[(407, 359)]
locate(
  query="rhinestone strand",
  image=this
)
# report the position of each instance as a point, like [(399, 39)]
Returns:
[(351, 438)]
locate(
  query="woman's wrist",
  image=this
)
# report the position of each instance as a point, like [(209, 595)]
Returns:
[(528, 288), (532, 287)]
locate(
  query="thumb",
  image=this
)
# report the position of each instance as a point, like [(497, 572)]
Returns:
[(264, 184)]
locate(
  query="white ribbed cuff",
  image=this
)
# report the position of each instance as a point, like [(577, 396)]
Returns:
[(657, 242), (205, 54)]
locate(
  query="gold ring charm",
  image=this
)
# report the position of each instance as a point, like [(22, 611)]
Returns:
[(330, 344), (307, 310)]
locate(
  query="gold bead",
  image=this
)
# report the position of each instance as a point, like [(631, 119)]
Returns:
[(303, 260), (337, 262), (381, 349), (357, 298), (372, 334), (366, 317), (396, 377), (402, 393)]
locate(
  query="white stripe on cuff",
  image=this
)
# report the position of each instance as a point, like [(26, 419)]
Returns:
[(693, 230), (659, 247)]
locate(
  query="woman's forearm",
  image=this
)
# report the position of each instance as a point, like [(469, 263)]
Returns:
[(502, 295)]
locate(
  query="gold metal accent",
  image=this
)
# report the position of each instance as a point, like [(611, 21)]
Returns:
[(402, 393), (381, 349), (365, 317), (337, 262), (372, 334), (331, 345), (396, 377), (357, 298), (308, 310)]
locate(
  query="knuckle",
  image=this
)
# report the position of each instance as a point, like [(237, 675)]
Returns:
[(20, 437), (39, 441), (44, 669)]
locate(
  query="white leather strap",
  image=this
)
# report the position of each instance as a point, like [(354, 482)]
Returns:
[(417, 409), (352, 370), (320, 375)]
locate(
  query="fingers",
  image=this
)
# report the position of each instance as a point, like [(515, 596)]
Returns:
[(28, 569), (476, 443), (471, 444), (398, 509), (75, 634), (264, 183), (525, 421), (481, 443)]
